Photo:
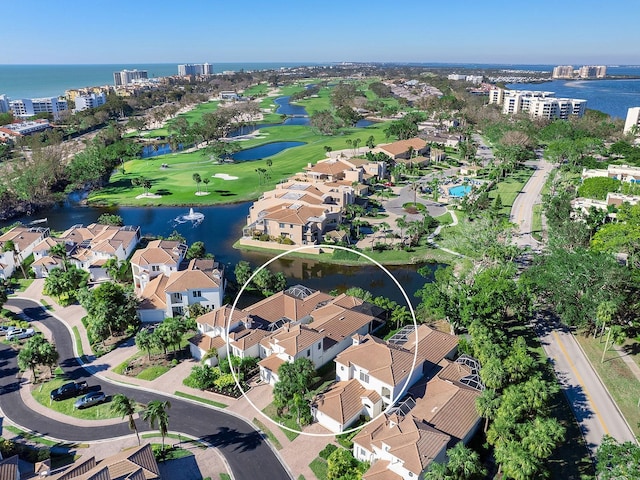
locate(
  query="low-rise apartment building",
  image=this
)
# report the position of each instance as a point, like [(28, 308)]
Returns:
[(624, 173), (538, 104), (20, 129)]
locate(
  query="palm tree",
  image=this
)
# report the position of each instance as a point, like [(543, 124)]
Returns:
[(60, 250), (206, 181), (197, 178), (384, 226), (125, 406), (487, 404), (156, 411), (401, 223), (463, 463), (269, 163)]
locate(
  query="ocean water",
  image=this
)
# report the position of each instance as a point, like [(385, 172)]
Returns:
[(33, 81)]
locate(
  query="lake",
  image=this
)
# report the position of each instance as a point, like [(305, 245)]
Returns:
[(263, 151)]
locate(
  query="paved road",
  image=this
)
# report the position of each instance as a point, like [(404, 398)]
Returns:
[(595, 410), (522, 209), (247, 454)]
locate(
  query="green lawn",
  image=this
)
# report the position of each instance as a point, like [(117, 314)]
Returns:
[(41, 395), (623, 386), (319, 468), (192, 116), (270, 411), (151, 373), (509, 188), (178, 393)]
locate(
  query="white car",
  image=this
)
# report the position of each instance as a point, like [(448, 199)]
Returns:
[(20, 333), (4, 329)]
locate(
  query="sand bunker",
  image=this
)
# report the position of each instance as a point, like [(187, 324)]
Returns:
[(148, 195), (200, 194), (224, 176)]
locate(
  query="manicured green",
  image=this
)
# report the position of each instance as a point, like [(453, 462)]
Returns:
[(319, 468), (153, 372), (178, 393), (623, 386), (78, 340), (272, 438), (192, 116), (97, 412)]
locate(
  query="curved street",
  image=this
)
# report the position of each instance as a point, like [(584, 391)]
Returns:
[(247, 454)]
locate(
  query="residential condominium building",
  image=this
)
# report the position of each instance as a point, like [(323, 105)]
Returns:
[(562, 71), (538, 104), (28, 107), (89, 100), (195, 69), (592, 71), (551, 108), (632, 123), (126, 77)]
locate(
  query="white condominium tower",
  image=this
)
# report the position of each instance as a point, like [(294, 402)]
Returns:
[(195, 69), (125, 77)]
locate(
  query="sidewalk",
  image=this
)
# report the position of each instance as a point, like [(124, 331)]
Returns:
[(296, 455)]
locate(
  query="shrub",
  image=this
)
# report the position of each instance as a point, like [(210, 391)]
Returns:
[(328, 450)]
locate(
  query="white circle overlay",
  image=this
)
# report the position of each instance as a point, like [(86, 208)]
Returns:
[(318, 247)]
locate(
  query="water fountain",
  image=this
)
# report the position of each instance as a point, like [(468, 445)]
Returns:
[(195, 217)]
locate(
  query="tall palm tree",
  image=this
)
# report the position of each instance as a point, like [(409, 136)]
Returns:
[(125, 406), (156, 412), (487, 404)]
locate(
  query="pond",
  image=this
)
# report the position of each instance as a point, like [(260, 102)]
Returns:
[(263, 151), (149, 151), (221, 228)]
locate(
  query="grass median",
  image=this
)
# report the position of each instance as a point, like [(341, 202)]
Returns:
[(41, 394)]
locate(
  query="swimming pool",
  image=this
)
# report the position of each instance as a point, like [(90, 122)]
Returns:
[(459, 191)]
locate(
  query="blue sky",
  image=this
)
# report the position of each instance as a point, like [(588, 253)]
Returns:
[(181, 31)]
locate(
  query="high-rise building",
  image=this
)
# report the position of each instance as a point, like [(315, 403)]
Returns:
[(4, 103), (195, 69), (633, 120), (126, 77), (563, 71), (592, 71)]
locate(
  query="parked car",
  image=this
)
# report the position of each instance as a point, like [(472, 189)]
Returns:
[(68, 390), (90, 399), (20, 333), (4, 329)]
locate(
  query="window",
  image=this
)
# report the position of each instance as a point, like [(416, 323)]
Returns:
[(281, 225), (197, 293), (364, 377), (342, 368), (155, 268), (308, 352), (319, 345)]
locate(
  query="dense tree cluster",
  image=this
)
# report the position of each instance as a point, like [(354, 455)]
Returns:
[(111, 308)]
